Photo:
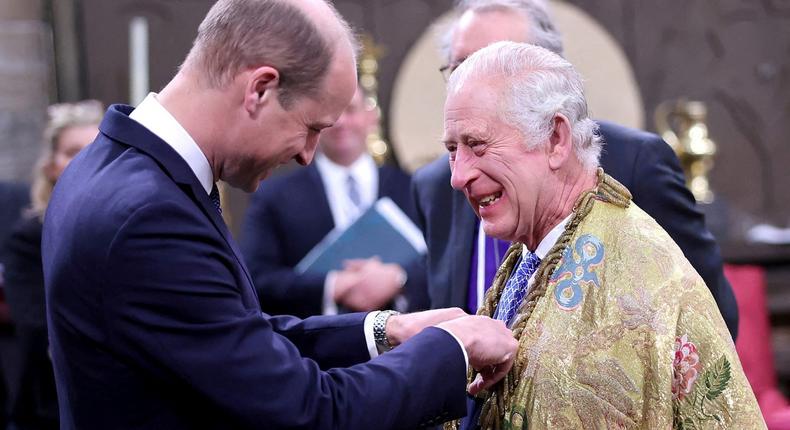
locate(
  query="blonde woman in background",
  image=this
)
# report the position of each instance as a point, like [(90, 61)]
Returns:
[(33, 401)]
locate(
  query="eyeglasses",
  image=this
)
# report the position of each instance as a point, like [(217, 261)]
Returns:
[(449, 68)]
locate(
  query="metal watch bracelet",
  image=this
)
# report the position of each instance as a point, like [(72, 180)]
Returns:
[(380, 330)]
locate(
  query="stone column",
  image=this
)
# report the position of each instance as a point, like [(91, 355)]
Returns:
[(26, 83)]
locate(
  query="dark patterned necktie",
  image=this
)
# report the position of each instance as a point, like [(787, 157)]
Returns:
[(214, 196), (516, 287)]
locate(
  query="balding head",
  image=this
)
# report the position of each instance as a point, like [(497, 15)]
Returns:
[(299, 38)]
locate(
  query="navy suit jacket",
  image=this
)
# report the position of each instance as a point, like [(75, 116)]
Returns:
[(641, 161), (286, 218), (154, 322)]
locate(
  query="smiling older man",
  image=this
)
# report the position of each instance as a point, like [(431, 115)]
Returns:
[(615, 327)]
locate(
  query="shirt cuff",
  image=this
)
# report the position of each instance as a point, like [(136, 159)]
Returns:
[(466, 356), (369, 339), (328, 306)]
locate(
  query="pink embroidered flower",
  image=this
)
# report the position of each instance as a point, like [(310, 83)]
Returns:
[(686, 367)]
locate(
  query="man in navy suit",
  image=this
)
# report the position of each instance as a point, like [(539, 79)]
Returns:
[(458, 272), (292, 213), (153, 319)]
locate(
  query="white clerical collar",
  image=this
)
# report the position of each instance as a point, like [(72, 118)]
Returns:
[(551, 238), (153, 116)]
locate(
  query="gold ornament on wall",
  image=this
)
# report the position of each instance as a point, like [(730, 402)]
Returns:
[(682, 125), (368, 80)]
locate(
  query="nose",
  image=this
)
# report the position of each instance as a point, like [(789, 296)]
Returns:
[(305, 156), (462, 168)]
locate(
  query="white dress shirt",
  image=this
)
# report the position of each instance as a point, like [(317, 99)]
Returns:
[(335, 179), (344, 212), (153, 116), (546, 244)]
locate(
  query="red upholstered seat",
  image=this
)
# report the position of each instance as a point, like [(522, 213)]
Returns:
[(754, 343)]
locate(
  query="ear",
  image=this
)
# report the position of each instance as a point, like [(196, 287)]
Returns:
[(560, 146), (260, 87)]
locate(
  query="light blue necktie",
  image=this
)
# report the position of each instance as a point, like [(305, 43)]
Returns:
[(353, 192), (516, 287)]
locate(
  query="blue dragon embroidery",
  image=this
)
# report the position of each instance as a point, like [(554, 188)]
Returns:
[(576, 271)]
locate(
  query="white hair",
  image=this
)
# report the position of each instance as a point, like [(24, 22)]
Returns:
[(541, 29), (536, 84)]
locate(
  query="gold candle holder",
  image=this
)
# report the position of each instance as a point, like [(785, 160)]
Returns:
[(368, 80), (682, 125)]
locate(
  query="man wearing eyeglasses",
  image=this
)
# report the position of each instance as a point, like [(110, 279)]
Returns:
[(462, 261)]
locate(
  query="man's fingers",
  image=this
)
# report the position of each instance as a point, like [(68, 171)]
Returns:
[(489, 376)]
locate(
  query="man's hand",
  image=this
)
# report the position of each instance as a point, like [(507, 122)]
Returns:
[(490, 345), (367, 285), (401, 327)]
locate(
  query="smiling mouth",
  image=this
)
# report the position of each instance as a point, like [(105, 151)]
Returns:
[(489, 199)]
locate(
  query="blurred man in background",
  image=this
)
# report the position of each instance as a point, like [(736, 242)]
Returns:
[(292, 213)]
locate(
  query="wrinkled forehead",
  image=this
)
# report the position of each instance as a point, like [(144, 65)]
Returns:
[(472, 108)]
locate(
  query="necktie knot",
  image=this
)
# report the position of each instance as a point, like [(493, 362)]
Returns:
[(516, 287), (214, 196)]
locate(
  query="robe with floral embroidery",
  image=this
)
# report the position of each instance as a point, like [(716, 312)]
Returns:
[(627, 335)]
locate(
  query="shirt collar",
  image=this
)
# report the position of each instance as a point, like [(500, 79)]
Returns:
[(153, 116), (551, 238), (360, 168)]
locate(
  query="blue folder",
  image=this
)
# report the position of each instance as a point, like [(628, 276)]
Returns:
[(383, 231)]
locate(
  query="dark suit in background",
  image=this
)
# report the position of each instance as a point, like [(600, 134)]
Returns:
[(14, 197), (287, 217), (33, 401), (157, 325), (641, 161)]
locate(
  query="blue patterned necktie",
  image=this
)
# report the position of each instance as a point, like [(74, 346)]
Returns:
[(214, 196), (516, 287), (353, 192)]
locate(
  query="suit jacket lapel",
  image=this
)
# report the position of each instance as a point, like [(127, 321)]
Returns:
[(462, 233), (118, 126), (318, 195), (384, 183)]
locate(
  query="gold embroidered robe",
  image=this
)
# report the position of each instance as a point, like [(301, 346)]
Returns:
[(622, 333)]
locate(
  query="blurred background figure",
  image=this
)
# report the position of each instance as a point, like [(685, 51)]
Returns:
[(290, 215), (32, 396), (15, 197)]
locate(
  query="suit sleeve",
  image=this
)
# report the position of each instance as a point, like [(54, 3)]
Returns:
[(280, 288), (183, 318), (662, 191)]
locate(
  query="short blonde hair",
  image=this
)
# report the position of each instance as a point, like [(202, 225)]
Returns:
[(60, 117)]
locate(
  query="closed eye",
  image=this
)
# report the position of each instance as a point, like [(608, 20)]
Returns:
[(477, 146), (451, 148)]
